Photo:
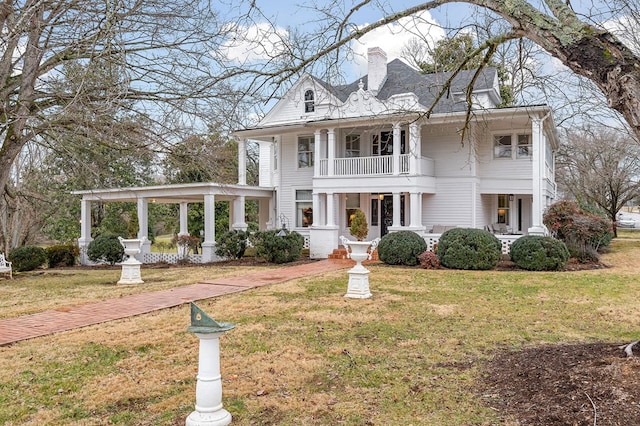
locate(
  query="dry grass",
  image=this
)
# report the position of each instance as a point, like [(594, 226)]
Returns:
[(302, 354)]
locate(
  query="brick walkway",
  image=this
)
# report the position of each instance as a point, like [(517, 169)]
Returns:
[(66, 318)]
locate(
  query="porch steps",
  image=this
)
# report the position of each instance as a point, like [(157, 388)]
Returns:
[(341, 253)]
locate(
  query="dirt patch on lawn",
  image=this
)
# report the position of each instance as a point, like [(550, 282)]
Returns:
[(582, 384)]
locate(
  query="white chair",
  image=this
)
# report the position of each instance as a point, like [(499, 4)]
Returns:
[(5, 266)]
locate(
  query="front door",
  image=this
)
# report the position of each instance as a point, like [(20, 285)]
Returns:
[(386, 217)]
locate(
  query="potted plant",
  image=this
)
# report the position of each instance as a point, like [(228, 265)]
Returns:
[(359, 227)]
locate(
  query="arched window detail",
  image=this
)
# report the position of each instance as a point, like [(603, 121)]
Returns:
[(309, 105)]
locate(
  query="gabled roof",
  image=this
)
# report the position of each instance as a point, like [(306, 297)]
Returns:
[(401, 78)]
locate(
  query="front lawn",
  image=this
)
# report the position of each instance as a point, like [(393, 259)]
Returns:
[(302, 354)]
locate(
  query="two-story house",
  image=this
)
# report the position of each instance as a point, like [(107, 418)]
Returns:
[(402, 146), (386, 144)]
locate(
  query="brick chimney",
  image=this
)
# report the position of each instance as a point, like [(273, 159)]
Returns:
[(377, 73)]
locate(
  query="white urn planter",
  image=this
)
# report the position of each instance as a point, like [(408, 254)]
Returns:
[(131, 266), (359, 251)]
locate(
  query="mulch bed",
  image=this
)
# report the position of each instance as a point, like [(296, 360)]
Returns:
[(581, 384)]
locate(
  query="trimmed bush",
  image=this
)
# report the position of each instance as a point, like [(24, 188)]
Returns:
[(584, 233), (62, 255), (232, 244), (359, 227), (429, 260), (401, 248), (27, 258), (278, 249), (537, 253), (105, 248), (469, 248)]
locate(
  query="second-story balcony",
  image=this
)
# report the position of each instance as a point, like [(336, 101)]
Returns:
[(378, 165)]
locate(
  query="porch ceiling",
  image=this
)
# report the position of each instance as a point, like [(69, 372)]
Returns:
[(188, 192)]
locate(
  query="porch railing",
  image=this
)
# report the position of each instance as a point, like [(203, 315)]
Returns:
[(376, 165)]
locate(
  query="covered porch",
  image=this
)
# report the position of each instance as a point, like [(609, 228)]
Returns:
[(183, 195)]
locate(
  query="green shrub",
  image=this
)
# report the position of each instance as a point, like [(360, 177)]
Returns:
[(429, 260), (27, 258), (359, 227), (278, 249), (584, 233), (469, 248), (401, 248), (62, 255), (105, 248), (232, 244), (537, 253)]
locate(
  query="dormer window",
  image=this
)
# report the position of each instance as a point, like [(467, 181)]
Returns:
[(309, 105)]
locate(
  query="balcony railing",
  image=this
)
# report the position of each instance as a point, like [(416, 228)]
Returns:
[(377, 165)]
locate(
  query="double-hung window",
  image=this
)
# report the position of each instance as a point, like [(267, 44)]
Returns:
[(352, 146), (306, 146), (304, 208), (512, 146)]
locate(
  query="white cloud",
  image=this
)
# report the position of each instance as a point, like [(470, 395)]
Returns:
[(393, 38), (255, 43)]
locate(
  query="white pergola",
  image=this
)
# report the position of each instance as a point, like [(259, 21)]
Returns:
[(183, 194)]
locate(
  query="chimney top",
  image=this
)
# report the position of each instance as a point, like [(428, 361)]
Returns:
[(377, 72)]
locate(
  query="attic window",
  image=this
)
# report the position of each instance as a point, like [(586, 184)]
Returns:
[(309, 105)]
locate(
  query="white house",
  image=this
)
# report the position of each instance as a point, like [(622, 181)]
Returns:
[(394, 144)]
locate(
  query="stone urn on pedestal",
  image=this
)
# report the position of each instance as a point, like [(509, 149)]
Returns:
[(131, 266), (359, 251)]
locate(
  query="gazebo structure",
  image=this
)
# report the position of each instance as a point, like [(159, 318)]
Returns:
[(183, 194)]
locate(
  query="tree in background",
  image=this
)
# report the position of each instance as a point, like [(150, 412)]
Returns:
[(600, 167)]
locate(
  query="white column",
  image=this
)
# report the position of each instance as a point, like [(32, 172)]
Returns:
[(242, 162), (316, 209), (396, 210), (415, 199), (209, 243), (143, 225), (415, 149), (331, 209), (208, 407), (537, 227), (264, 214), (316, 153), (396, 150), (331, 150), (184, 215), (238, 213), (85, 230)]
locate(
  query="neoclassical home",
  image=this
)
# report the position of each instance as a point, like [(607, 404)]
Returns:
[(395, 144)]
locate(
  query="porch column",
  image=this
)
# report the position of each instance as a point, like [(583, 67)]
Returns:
[(85, 230), (264, 214), (415, 148), (143, 225), (184, 213), (396, 154), (242, 162), (415, 199), (537, 227), (316, 153), (331, 151), (238, 213), (316, 209), (331, 222), (396, 209), (209, 243)]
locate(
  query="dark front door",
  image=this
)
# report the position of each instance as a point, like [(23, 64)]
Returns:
[(387, 214)]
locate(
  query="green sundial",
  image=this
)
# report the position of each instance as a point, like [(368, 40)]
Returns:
[(203, 323)]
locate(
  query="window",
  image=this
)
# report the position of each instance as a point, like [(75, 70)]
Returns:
[(353, 204), (503, 209), (524, 146), (502, 146), (382, 144), (352, 146), (306, 146), (309, 105), (304, 208)]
